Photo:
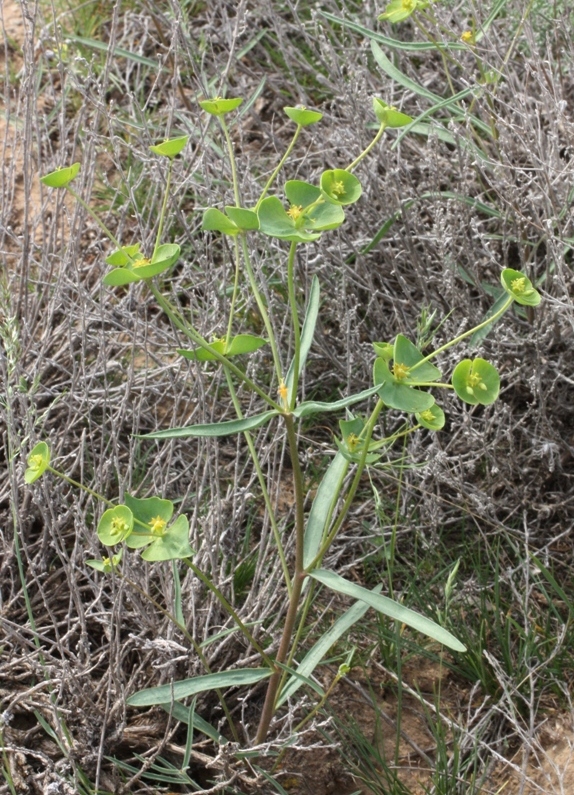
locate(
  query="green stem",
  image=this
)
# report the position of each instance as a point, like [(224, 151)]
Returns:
[(194, 336), (262, 309), (231, 161), (96, 218), (366, 151), (163, 209), (460, 337), (297, 583), (295, 322), (234, 293), (262, 484), (271, 179), (228, 609), (81, 486)]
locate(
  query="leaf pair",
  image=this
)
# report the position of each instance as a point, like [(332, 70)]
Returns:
[(398, 380), (131, 266)]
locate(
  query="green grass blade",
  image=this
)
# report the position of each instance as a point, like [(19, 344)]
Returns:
[(118, 52), (164, 694), (388, 607)]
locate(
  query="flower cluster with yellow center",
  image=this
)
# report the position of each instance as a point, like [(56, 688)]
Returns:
[(157, 525), (337, 188), (427, 415), (35, 461), (140, 262), (468, 37), (118, 527), (518, 285), (295, 212), (400, 371), (283, 393), (352, 441)]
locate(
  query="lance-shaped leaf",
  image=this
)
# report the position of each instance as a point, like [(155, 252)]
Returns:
[(340, 186), (307, 332), (520, 287), (388, 115), (242, 343), (323, 506), (303, 116), (61, 177), (476, 382), (115, 525), (165, 694), (171, 147), (388, 607), (316, 407), (139, 267), (38, 462), (216, 428)]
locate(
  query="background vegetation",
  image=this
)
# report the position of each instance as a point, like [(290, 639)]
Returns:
[(485, 182)]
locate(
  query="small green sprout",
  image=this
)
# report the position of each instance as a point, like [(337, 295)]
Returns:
[(106, 565), (303, 116), (388, 115), (61, 177), (38, 462)]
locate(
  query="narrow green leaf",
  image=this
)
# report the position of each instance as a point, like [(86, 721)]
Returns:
[(214, 429), (388, 607), (165, 694), (321, 648), (308, 330), (314, 407), (482, 333), (181, 713), (323, 505), (117, 52)]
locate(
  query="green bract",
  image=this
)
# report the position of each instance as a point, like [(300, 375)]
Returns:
[(408, 370), (340, 186), (352, 446), (237, 220), (137, 267), (388, 115), (242, 343), (520, 287), (219, 106), (432, 418), (171, 147), (105, 565), (38, 462), (115, 525), (152, 516), (384, 349), (305, 219), (61, 177), (397, 10), (476, 382), (303, 116)]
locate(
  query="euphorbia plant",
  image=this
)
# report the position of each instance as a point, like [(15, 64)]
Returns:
[(404, 380)]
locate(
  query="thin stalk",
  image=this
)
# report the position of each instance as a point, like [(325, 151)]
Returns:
[(79, 485), (194, 336), (271, 179), (366, 151), (231, 161), (163, 209), (295, 322), (460, 337), (262, 309), (298, 634), (234, 293), (368, 432), (96, 218), (298, 580), (228, 609), (262, 484)]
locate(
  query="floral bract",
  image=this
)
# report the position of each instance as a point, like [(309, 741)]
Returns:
[(408, 370), (171, 147), (476, 382), (388, 115), (242, 343), (340, 186), (136, 267), (106, 565), (308, 215), (398, 10), (219, 106), (303, 116), (115, 525), (61, 177), (432, 418), (520, 287), (38, 462)]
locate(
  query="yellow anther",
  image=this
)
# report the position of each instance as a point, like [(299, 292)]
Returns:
[(400, 371), (295, 211), (427, 415)]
